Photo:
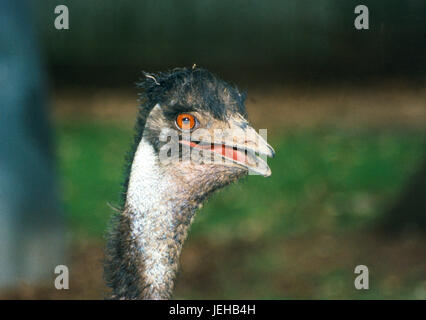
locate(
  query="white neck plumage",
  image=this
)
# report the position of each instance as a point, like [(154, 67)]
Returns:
[(158, 222)]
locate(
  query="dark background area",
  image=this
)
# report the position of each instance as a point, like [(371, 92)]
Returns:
[(109, 42)]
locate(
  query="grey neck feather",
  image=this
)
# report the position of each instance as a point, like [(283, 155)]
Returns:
[(146, 238), (145, 245)]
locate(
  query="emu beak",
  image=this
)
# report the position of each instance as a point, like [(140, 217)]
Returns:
[(240, 146), (248, 148)]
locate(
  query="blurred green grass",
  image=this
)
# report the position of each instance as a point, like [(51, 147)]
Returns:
[(322, 178)]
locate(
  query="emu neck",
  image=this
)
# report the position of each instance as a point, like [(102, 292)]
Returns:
[(152, 229)]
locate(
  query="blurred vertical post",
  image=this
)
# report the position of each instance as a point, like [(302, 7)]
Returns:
[(31, 221)]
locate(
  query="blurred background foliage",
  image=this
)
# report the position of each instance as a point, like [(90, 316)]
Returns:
[(344, 109), (327, 178)]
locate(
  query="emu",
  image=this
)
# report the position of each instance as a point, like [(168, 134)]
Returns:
[(160, 198)]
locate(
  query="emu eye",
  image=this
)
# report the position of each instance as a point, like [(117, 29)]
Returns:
[(186, 121)]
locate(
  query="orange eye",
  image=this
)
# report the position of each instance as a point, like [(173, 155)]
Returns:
[(185, 121)]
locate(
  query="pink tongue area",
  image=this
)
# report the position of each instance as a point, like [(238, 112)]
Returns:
[(225, 151)]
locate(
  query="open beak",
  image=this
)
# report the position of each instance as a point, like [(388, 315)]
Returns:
[(238, 146)]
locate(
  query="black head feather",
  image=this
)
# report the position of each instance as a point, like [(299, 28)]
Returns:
[(196, 89)]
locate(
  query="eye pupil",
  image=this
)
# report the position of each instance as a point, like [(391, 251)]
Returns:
[(185, 121)]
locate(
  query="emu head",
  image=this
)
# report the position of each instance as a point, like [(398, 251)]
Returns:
[(197, 125)]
